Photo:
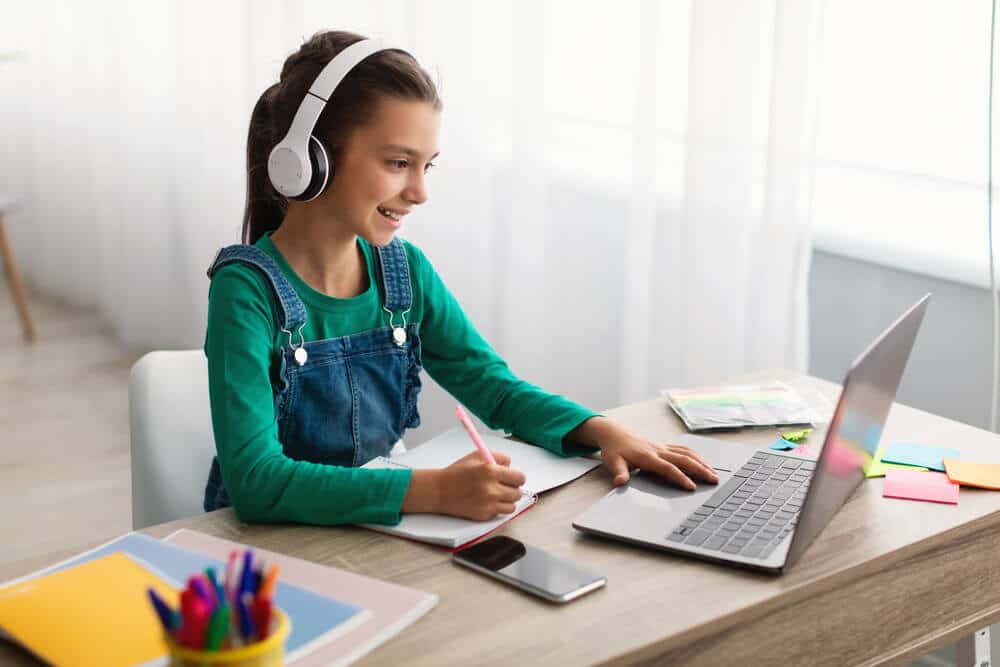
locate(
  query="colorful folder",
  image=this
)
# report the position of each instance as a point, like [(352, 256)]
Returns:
[(316, 618), (95, 613)]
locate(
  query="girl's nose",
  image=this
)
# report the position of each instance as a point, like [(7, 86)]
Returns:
[(416, 192)]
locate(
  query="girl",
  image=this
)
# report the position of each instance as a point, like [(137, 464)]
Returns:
[(319, 325)]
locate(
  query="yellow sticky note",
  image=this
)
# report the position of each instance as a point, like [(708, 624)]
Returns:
[(795, 436), (983, 475), (877, 467), (95, 613)]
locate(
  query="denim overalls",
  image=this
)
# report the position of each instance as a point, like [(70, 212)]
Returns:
[(353, 396)]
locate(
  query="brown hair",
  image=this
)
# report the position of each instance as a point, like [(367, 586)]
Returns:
[(393, 73)]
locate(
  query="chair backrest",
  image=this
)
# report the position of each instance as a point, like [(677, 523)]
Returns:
[(171, 431)]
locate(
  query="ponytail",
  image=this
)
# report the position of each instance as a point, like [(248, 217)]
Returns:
[(265, 207)]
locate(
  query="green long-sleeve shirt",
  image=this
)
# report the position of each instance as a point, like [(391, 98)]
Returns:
[(242, 339)]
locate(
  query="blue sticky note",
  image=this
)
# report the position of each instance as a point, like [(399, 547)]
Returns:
[(782, 444), (919, 455)]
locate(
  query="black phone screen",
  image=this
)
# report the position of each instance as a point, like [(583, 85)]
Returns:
[(529, 567)]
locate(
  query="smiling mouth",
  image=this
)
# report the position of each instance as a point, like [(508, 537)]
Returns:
[(391, 214)]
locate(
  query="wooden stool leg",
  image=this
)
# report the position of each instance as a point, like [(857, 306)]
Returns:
[(16, 286)]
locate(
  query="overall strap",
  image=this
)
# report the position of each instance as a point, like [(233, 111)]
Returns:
[(290, 311), (393, 273)]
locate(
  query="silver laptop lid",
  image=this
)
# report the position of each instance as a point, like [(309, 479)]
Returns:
[(856, 427)]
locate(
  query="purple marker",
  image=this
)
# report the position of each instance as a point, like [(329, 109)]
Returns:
[(197, 584)]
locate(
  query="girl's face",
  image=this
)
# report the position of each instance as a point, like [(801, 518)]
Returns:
[(379, 176)]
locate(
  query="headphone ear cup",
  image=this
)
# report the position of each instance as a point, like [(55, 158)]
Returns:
[(322, 170)]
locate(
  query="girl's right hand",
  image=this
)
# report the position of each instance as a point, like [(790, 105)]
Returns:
[(473, 489)]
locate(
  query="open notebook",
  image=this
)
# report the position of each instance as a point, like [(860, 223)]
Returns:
[(542, 469)]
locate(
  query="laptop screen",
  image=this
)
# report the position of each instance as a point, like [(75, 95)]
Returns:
[(856, 427)]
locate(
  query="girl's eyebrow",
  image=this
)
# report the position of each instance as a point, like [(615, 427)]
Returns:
[(395, 148)]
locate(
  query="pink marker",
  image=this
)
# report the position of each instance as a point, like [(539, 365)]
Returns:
[(227, 584), (471, 430)]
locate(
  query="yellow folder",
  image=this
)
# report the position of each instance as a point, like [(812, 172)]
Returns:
[(96, 613)]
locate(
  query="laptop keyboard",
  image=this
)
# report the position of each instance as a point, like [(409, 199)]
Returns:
[(754, 511)]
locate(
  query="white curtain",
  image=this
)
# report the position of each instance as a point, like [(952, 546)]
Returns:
[(622, 201)]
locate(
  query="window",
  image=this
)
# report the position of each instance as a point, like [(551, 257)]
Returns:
[(902, 134)]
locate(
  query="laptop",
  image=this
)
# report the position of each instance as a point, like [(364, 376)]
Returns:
[(769, 505)]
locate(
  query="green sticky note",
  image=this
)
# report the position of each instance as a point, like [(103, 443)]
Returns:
[(877, 467), (795, 436)]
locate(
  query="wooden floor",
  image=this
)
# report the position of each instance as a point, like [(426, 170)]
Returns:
[(64, 445)]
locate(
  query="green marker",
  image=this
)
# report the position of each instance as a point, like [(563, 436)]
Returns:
[(218, 626)]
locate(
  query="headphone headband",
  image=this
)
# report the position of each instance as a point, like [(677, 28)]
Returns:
[(288, 165)]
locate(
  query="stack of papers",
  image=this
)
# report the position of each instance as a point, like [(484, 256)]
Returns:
[(60, 612), (734, 406)]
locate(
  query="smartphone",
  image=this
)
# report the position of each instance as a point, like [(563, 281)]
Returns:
[(529, 568)]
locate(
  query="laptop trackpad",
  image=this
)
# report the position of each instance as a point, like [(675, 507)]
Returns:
[(645, 509), (724, 456), (651, 490), (649, 507)]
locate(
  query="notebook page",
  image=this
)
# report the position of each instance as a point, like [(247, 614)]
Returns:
[(543, 470), (449, 531)]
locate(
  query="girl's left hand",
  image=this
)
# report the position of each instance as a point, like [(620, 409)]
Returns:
[(623, 450), (671, 461)]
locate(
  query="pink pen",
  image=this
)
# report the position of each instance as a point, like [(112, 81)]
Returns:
[(471, 430), (227, 584)]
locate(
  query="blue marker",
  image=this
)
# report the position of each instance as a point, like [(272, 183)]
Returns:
[(170, 619), (246, 621), (246, 580)]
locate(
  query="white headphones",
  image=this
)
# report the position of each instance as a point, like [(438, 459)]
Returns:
[(299, 166)]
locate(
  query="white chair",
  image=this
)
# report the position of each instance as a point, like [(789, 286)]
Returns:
[(171, 429), (170, 422)]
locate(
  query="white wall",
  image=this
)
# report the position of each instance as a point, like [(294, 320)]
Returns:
[(950, 369)]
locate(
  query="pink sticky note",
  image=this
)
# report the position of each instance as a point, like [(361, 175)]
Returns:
[(842, 459), (803, 450), (917, 485)]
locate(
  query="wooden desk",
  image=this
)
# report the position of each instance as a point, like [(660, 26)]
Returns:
[(886, 580)]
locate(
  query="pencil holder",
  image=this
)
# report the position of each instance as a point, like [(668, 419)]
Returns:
[(267, 653)]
